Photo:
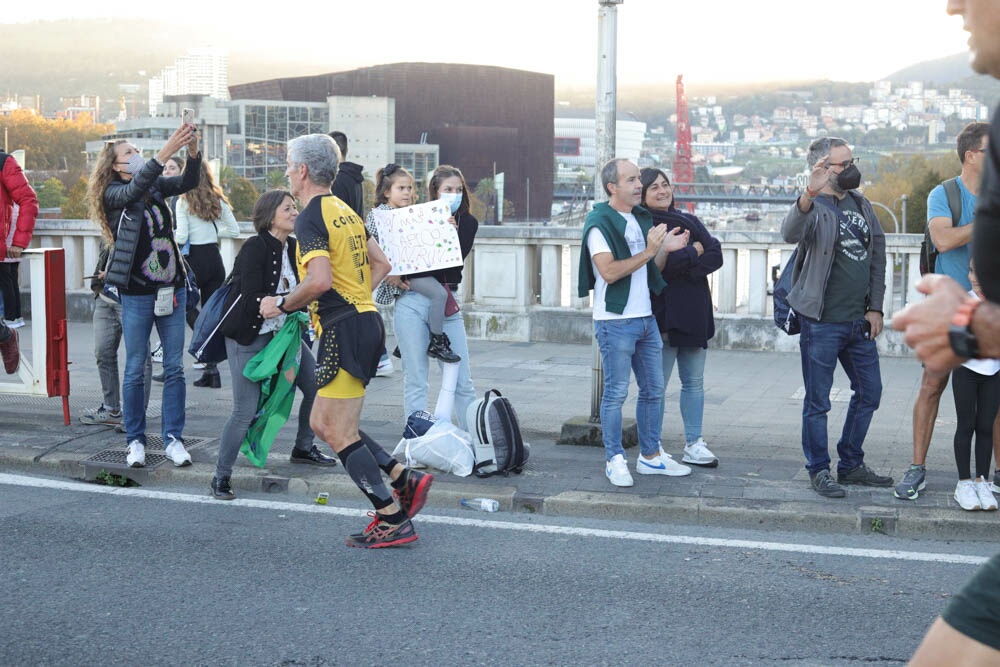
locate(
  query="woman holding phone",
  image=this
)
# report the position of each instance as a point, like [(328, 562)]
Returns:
[(127, 197)]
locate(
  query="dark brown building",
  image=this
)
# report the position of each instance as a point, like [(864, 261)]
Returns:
[(485, 119)]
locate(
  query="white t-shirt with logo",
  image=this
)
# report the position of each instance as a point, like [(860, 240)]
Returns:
[(638, 296)]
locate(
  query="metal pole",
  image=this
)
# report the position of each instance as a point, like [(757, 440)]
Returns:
[(604, 145), (904, 212)]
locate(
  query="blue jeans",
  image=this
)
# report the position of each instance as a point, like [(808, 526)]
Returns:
[(413, 336), (691, 368), (821, 345), (137, 323), (633, 343)]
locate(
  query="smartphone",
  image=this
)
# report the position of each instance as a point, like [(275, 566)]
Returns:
[(867, 329), (187, 116)]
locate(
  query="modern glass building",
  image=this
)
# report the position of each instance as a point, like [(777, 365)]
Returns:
[(259, 131)]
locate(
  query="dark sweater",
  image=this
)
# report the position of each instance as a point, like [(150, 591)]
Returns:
[(347, 186), (256, 273), (684, 308), (986, 235)]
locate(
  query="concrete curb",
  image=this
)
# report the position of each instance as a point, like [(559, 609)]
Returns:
[(902, 521)]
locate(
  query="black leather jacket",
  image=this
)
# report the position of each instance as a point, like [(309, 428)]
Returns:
[(125, 204), (256, 273)]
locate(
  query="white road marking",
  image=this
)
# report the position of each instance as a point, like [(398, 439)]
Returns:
[(306, 508)]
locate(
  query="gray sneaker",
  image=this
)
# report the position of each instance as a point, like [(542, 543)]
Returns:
[(911, 484), (101, 416), (863, 475), (824, 484)]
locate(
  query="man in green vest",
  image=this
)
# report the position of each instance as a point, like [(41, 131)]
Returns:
[(621, 259)]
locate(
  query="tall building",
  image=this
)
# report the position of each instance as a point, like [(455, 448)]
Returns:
[(201, 71), (484, 120)]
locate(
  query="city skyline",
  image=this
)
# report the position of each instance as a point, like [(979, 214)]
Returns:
[(721, 41)]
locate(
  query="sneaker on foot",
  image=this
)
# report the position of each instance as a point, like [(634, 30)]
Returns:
[(698, 454), (175, 452), (121, 428), (986, 499), (966, 496), (824, 484), (617, 472), (102, 415), (995, 486), (15, 323), (158, 355), (661, 464), (863, 475), (912, 483), (136, 456), (413, 495), (222, 489), (380, 534), (385, 368), (198, 365)]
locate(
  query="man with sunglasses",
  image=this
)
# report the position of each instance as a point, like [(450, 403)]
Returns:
[(837, 290)]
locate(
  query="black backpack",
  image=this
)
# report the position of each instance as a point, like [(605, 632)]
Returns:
[(784, 317), (928, 253)]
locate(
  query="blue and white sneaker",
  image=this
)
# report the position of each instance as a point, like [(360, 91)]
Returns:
[(617, 472), (661, 464)]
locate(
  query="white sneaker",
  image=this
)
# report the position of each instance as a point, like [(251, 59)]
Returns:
[(617, 471), (158, 355), (698, 454), (385, 368), (966, 496), (175, 452), (986, 499), (661, 464), (136, 457), (198, 366), (16, 323)]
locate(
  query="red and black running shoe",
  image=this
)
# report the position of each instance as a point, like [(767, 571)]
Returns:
[(413, 495), (380, 534)]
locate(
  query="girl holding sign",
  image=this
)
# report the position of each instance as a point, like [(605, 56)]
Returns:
[(394, 189)]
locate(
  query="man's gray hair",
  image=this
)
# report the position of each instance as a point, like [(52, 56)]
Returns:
[(319, 153), (821, 147), (609, 173)]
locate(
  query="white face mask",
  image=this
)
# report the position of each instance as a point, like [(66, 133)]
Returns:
[(453, 199)]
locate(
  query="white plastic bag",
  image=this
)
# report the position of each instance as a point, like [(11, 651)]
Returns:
[(444, 446)]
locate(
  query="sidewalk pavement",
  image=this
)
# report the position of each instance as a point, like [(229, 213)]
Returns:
[(752, 423)]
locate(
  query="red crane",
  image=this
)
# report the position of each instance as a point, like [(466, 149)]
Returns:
[(683, 168)]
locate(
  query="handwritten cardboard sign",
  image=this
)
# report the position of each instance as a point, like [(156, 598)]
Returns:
[(418, 238)]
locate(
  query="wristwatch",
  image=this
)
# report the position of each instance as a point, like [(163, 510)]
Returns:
[(280, 304), (960, 336)]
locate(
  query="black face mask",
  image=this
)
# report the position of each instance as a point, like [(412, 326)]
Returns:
[(849, 179)]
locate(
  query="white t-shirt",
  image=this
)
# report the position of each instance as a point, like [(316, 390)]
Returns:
[(638, 296), (982, 366)]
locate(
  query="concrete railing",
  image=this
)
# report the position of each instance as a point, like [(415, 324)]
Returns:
[(520, 282)]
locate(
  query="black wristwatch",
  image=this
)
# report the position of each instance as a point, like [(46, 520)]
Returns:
[(960, 336), (280, 304)]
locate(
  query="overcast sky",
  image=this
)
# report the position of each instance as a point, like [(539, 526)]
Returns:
[(706, 40)]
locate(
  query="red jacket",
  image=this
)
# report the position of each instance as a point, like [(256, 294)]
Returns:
[(14, 189)]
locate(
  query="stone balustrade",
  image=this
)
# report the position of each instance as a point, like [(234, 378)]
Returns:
[(520, 282)]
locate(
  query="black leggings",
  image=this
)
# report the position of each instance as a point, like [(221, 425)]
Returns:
[(977, 398), (206, 260)]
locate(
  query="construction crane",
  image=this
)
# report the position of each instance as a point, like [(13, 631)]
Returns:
[(683, 167)]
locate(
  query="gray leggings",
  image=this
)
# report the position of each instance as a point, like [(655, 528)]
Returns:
[(438, 296), (246, 394)]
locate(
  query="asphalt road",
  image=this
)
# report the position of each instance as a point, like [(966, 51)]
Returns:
[(171, 577)]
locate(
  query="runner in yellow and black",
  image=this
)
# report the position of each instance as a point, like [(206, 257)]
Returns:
[(338, 264)]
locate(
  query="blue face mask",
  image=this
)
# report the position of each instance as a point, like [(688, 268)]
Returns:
[(454, 199), (135, 164)]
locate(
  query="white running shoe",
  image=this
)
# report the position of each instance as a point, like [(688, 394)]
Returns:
[(158, 355), (175, 452), (661, 464), (966, 495), (136, 457), (986, 499), (617, 471), (15, 323), (385, 368), (198, 366), (698, 454)]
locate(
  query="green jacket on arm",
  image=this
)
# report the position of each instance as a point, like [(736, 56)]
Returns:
[(611, 223)]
